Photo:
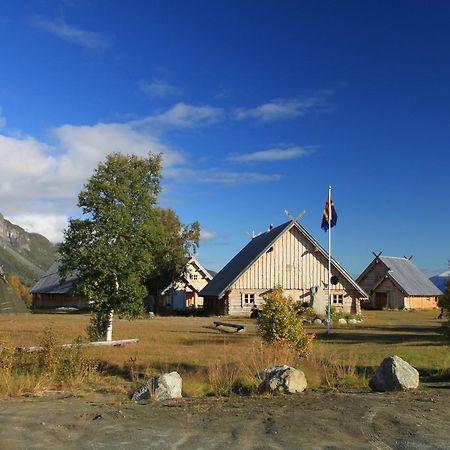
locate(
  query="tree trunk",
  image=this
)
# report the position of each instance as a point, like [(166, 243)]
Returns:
[(109, 327)]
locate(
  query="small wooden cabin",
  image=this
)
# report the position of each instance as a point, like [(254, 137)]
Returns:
[(287, 256), (50, 292), (183, 294), (396, 283)]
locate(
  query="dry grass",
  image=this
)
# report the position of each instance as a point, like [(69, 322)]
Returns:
[(210, 361)]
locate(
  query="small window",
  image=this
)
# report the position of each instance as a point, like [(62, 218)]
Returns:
[(193, 276), (249, 298), (338, 299)]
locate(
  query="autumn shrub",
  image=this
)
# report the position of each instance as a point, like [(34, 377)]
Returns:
[(334, 371), (22, 291), (49, 354), (279, 323), (6, 357), (222, 377)]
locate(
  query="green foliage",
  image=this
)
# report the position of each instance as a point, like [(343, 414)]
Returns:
[(279, 322), (303, 310), (444, 302), (246, 385), (123, 242)]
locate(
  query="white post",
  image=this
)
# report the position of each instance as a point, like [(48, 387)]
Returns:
[(329, 261)]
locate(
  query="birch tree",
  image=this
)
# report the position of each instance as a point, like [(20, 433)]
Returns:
[(117, 244)]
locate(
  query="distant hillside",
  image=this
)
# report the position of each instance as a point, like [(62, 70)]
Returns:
[(28, 255), (10, 302), (442, 280)]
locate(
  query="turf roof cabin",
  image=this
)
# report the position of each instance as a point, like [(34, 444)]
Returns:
[(287, 256), (396, 283)]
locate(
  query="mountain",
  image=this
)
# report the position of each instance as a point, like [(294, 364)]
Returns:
[(441, 280), (28, 255)]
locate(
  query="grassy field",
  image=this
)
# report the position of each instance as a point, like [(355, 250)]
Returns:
[(210, 360)]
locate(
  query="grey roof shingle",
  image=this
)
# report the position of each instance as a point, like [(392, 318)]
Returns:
[(219, 284), (408, 277), (51, 283), (245, 258)]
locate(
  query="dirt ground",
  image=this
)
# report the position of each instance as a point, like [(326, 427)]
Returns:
[(415, 420)]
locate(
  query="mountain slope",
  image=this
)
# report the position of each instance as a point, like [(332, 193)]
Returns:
[(25, 254)]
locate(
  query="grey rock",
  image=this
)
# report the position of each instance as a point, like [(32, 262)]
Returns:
[(352, 321), (165, 387), (342, 321), (394, 374), (317, 321), (141, 393), (283, 379)]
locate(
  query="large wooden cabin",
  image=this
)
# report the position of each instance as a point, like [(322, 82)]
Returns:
[(286, 256)]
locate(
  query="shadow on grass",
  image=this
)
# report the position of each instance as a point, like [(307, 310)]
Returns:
[(384, 335)]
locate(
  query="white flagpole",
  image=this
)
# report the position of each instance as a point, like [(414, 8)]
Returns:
[(329, 261)]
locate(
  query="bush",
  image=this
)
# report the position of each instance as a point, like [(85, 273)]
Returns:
[(246, 385), (304, 310), (6, 357), (22, 291), (279, 322)]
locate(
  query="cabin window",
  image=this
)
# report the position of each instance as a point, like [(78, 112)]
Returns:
[(338, 299), (249, 298), (193, 276)]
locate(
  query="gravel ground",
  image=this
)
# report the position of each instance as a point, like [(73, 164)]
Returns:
[(413, 420)]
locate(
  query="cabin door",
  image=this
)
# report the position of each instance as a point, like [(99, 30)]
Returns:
[(380, 300), (179, 300)]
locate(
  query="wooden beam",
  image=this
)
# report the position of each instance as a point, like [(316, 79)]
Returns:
[(83, 344)]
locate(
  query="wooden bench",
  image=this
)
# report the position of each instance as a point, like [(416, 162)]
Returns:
[(232, 325)]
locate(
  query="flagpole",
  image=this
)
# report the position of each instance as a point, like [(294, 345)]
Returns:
[(329, 261)]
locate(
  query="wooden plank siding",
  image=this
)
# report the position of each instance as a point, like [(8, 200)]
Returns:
[(292, 262)]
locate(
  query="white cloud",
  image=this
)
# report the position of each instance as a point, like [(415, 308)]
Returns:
[(50, 226), (60, 29), (183, 115), (40, 181), (222, 177), (279, 109), (158, 88), (206, 235), (274, 154)]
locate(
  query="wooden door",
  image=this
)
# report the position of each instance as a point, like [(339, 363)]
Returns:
[(380, 300)]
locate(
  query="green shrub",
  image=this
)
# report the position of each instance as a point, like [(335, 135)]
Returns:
[(246, 385), (279, 322), (304, 310)]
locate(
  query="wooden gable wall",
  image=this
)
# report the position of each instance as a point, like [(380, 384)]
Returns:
[(292, 262)]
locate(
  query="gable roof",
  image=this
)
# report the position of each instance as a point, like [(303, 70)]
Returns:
[(51, 282), (408, 276), (194, 262), (405, 275), (252, 251)]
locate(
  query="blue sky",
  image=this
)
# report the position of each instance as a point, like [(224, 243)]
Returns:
[(257, 107)]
